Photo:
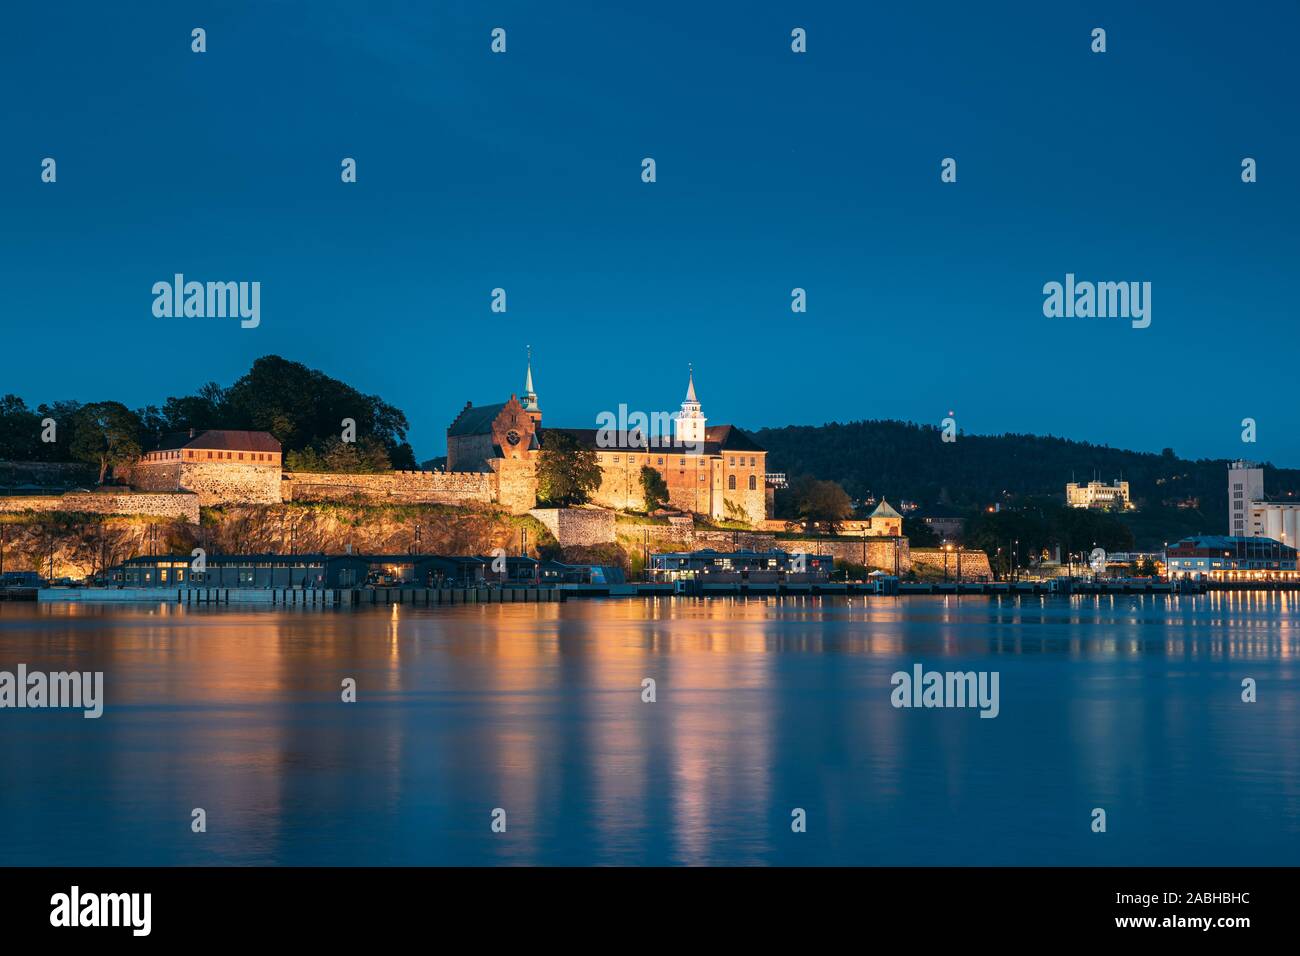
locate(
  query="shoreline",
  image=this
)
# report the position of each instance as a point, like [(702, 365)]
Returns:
[(432, 597)]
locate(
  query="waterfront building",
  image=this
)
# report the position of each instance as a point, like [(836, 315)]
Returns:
[(1279, 520), (583, 573), (1098, 494), (352, 571), (1231, 558), (725, 567), (1245, 486), (1252, 514), (21, 579), (424, 570), (242, 571)]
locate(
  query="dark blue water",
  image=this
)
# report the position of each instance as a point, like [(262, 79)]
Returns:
[(1128, 704)]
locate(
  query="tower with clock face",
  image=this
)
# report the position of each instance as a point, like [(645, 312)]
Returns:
[(482, 433), (513, 430)]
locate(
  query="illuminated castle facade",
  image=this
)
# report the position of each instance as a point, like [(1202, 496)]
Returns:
[(716, 471)]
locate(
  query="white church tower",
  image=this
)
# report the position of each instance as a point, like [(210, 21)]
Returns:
[(690, 420)]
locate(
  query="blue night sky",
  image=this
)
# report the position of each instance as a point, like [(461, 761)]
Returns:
[(775, 170)]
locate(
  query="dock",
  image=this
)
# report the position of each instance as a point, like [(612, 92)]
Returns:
[(559, 593), (305, 597)]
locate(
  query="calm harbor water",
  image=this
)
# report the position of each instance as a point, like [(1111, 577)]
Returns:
[(1131, 704)]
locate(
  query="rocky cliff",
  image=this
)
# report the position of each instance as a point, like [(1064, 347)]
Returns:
[(78, 545)]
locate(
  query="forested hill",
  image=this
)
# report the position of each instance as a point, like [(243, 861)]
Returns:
[(302, 407), (904, 460)]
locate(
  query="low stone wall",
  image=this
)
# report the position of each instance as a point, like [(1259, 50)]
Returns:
[(682, 535), (161, 505), (577, 527), (31, 503), (733, 540), (873, 553), (392, 487), (929, 562)]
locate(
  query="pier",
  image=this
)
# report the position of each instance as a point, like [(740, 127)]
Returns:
[(305, 597), (559, 593)]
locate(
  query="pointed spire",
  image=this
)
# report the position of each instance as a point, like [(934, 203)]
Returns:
[(690, 421), (530, 395)]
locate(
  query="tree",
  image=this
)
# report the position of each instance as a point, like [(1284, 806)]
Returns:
[(1043, 525), (64, 414), (979, 470), (821, 503), (365, 456), (20, 430), (105, 434), (205, 410), (303, 407), (654, 488), (566, 473), (919, 534)]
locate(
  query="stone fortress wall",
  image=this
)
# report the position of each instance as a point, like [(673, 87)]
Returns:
[(390, 487), (155, 504), (215, 482), (578, 527), (510, 485), (974, 564)]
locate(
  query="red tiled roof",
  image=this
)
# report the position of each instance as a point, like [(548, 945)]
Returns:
[(222, 439)]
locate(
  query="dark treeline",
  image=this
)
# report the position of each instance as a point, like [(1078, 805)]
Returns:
[(900, 460), (1039, 527), (303, 408)]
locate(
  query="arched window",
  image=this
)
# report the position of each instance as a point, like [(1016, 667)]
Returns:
[(753, 483), (731, 482)]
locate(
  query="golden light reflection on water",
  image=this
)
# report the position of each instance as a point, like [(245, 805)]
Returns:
[(537, 709)]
